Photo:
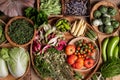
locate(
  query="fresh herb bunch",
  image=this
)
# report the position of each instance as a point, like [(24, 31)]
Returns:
[(52, 64), (38, 17), (111, 68), (21, 31)]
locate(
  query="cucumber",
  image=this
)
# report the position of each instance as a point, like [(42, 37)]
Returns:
[(115, 55), (113, 42), (104, 48)]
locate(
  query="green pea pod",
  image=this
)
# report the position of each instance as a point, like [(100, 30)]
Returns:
[(104, 48), (115, 54), (113, 42)]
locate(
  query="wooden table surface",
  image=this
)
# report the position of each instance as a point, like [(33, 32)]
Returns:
[(32, 75)]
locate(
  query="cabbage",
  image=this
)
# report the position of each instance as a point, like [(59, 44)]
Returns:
[(18, 61), (3, 68)]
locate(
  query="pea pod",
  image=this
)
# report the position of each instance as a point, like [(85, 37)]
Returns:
[(115, 54), (104, 48), (113, 42)]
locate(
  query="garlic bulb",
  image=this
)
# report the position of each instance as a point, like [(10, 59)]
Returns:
[(15, 7)]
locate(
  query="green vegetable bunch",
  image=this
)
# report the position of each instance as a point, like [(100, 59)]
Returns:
[(38, 17), (104, 19), (2, 35), (51, 6)]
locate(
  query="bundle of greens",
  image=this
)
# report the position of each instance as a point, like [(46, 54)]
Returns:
[(111, 68), (38, 17)]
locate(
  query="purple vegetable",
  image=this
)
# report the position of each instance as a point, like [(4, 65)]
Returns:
[(61, 45), (36, 47)]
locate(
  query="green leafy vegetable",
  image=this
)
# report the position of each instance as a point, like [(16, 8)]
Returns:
[(2, 35), (111, 68), (50, 6), (18, 61), (4, 54), (3, 68), (38, 17)]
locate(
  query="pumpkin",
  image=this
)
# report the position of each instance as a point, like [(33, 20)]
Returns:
[(13, 8)]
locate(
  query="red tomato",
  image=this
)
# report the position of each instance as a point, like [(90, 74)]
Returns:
[(89, 63), (71, 59), (70, 49), (78, 64)]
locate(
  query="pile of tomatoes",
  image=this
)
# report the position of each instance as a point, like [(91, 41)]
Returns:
[(81, 54)]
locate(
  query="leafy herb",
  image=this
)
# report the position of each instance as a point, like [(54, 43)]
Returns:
[(21, 31), (111, 68), (52, 64), (38, 17)]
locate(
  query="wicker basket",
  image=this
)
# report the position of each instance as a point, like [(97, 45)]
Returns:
[(7, 27), (104, 3)]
